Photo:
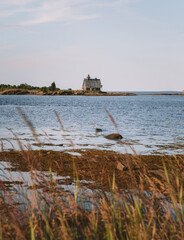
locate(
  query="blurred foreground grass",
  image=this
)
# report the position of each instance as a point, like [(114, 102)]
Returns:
[(102, 195)]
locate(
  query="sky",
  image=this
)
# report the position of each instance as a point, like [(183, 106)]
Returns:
[(131, 45)]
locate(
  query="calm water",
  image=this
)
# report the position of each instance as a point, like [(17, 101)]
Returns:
[(149, 124)]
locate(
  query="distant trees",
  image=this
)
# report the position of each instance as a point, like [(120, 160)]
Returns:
[(52, 86), (5, 86), (21, 86), (26, 86), (44, 89)]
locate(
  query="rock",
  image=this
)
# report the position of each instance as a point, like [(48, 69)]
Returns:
[(66, 92), (15, 92), (98, 129), (60, 145), (114, 136), (121, 166)]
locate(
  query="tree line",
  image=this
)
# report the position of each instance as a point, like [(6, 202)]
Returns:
[(26, 86)]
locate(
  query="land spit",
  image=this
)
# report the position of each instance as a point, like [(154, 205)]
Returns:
[(78, 92), (64, 92)]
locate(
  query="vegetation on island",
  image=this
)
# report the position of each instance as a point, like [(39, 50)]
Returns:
[(27, 87)]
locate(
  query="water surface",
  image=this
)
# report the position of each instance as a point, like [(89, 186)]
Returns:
[(149, 124)]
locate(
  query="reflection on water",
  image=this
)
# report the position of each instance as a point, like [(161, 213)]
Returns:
[(149, 124)]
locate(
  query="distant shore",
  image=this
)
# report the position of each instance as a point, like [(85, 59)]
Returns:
[(64, 92), (79, 92), (174, 94)]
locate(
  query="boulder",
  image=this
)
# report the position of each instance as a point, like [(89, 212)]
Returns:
[(114, 136), (121, 166), (98, 129)]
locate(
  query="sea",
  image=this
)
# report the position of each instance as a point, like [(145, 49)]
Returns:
[(149, 124)]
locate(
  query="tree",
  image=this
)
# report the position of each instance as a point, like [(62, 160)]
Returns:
[(44, 89), (52, 87)]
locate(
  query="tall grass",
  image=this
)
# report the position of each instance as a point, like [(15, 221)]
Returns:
[(150, 207)]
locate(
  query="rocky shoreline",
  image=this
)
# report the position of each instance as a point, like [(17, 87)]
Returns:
[(63, 92)]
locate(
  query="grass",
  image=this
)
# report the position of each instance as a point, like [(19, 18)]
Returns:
[(102, 195), (142, 201)]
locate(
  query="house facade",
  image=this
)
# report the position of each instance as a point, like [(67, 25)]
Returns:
[(91, 84)]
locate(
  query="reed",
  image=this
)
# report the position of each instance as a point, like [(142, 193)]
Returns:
[(150, 207)]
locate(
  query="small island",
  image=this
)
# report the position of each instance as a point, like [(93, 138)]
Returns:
[(91, 87)]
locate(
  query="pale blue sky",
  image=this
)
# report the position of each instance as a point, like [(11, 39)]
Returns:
[(132, 45)]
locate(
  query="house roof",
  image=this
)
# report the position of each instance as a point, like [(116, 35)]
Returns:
[(92, 83)]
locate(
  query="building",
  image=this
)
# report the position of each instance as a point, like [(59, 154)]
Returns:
[(91, 84)]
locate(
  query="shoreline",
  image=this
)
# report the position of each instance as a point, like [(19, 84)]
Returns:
[(80, 93), (85, 163), (64, 93), (62, 162), (166, 94)]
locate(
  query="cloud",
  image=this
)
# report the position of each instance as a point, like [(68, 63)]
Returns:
[(32, 12)]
